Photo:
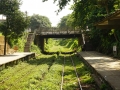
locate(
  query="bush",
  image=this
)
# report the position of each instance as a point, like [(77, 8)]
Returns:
[(35, 49)]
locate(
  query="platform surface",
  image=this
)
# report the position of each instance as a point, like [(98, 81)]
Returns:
[(107, 67), (9, 58)]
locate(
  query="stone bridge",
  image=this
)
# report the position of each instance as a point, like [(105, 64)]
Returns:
[(44, 33), (41, 34)]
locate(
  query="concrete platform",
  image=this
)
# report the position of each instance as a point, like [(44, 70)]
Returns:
[(106, 67), (5, 60)]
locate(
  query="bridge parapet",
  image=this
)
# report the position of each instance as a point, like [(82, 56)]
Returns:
[(56, 31)]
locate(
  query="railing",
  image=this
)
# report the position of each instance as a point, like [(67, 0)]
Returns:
[(50, 31)]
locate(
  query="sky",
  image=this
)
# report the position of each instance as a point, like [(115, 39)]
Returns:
[(45, 9)]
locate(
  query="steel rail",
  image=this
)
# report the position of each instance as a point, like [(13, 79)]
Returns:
[(80, 86), (63, 74), (62, 82)]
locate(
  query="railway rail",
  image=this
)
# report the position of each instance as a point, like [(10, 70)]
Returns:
[(30, 71), (63, 72), (25, 71), (68, 65)]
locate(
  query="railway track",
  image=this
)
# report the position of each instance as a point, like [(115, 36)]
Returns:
[(74, 67), (9, 76), (67, 64), (25, 72), (30, 71)]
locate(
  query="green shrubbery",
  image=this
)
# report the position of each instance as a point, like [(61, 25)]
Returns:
[(21, 44), (62, 45), (35, 49)]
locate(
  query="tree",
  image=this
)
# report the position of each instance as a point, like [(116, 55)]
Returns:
[(87, 13), (15, 22), (66, 22), (37, 21), (63, 22), (8, 7)]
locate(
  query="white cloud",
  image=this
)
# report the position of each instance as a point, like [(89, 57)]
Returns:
[(44, 8)]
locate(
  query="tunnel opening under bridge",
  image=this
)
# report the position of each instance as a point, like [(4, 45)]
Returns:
[(42, 40)]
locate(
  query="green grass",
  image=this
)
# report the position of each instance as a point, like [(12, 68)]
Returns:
[(44, 73), (61, 45), (60, 49), (25, 75)]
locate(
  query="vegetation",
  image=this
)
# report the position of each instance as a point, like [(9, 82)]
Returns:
[(61, 45), (86, 14), (38, 74), (38, 21), (35, 49), (16, 21), (23, 74), (63, 23)]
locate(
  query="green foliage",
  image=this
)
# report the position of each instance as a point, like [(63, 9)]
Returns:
[(69, 43), (64, 45), (38, 74), (87, 13), (35, 49), (37, 21), (63, 21), (103, 87), (20, 43), (16, 21), (66, 22), (8, 7), (26, 74)]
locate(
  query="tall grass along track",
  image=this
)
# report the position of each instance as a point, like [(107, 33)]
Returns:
[(11, 74), (23, 74), (32, 70), (76, 73), (63, 73), (68, 60), (52, 79)]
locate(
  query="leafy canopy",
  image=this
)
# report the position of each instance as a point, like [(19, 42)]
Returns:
[(37, 21), (16, 21)]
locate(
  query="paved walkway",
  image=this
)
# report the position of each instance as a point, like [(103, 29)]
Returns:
[(107, 67), (9, 58)]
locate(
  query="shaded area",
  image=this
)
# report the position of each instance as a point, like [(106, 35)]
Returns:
[(50, 53), (110, 22)]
